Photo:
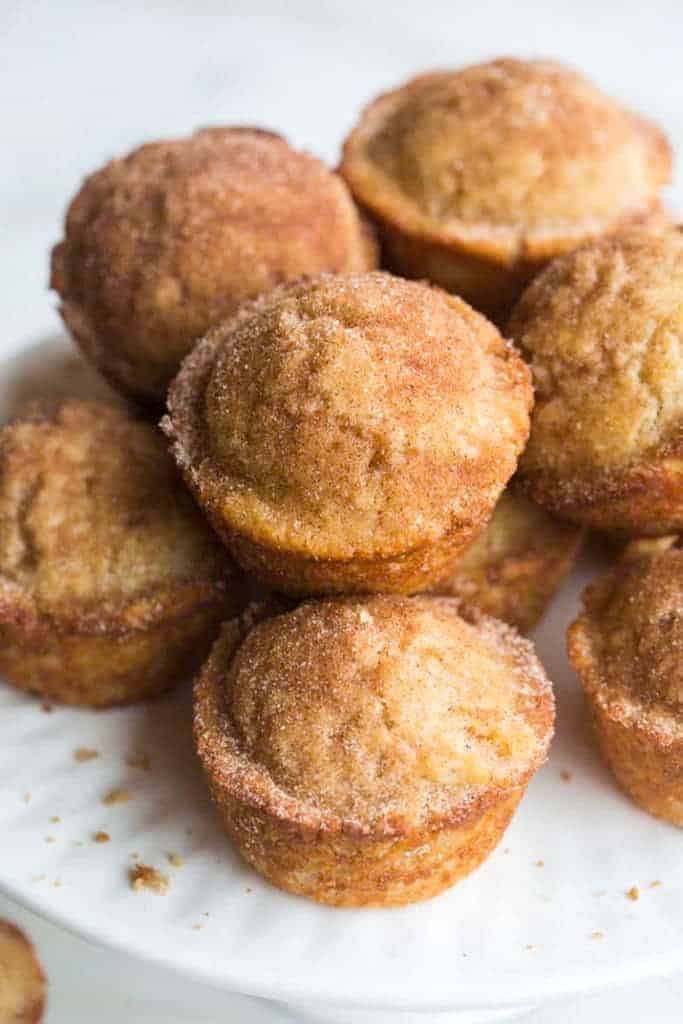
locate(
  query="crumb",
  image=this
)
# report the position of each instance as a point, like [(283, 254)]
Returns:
[(175, 860), (54, 820), (56, 884), (143, 876), (506, 850), (46, 707), (139, 761), (38, 878), (565, 775), (656, 884), (248, 889), (27, 798), (135, 855), (205, 914), (197, 927), (117, 796), (531, 947), (539, 863), (82, 754), (633, 893), (101, 837), (597, 936), (49, 839)]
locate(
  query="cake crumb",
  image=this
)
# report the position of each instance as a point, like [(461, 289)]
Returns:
[(531, 947), (144, 876), (57, 884), (27, 798), (197, 927), (49, 839), (101, 837), (597, 936), (54, 820), (82, 754), (46, 707), (633, 893), (117, 796), (566, 775), (139, 761), (175, 860), (656, 884), (539, 863)]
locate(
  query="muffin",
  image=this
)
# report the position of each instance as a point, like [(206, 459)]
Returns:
[(370, 751), (476, 178), (350, 432), (22, 981), (515, 566), (602, 330), (626, 647), (164, 243), (112, 586)]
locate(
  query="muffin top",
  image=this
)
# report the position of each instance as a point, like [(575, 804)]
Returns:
[(22, 981), (512, 568), (351, 416), (373, 713), (630, 636), (169, 240), (602, 328), (516, 158), (96, 527)]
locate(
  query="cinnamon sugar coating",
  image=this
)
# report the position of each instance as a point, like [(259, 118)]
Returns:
[(111, 584), (602, 330), (370, 750), (22, 981), (169, 240), (477, 177), (627, 647), (515, 566), (350, 432)]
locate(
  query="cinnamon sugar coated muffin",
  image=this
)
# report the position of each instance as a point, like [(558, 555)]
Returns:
[(112, 586), (477, 177), (627, 647), (602, 329), (350, 432), (370, 750), (515, 566), (22, 981), (162, 244)]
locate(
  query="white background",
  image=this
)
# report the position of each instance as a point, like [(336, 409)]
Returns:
[(83, 81)]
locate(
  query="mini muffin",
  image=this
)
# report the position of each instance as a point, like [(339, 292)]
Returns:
[(370, 751), (22, 981), (513, 569), (164, 243), (112, 586), (603, 332), (627, 647), (350, 432), (476, 178)]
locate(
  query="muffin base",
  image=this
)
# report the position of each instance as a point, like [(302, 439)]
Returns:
[(106, 669), (344, 870), (647, 769)]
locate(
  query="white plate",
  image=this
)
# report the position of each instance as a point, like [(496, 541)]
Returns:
[(514, 933)]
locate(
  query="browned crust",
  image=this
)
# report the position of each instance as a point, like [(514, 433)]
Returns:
[(348, 871), (478, 261), (106, 668), (106, 277), (293, 570), (642, 744), (30, 999), (645, 500), (519, 586)]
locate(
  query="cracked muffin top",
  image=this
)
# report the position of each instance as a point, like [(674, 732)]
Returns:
[(162, 244), (628, 643), (602, 329), (370, 713), (351, 416), (96, 526), (513, 158)]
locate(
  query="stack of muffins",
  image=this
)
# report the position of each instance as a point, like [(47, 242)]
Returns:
[(406, 484)]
